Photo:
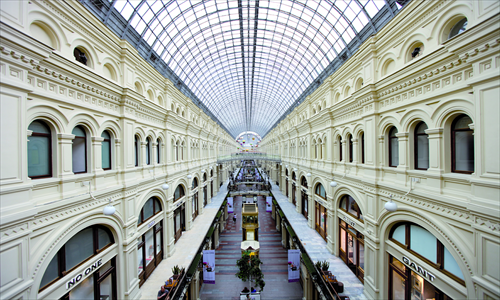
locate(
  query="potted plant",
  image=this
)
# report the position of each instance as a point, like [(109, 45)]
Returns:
[(249, 269), (176, 270)]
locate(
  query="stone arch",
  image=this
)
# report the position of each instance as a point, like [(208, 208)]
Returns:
[(45, 19), (64, 233), (84, 119)]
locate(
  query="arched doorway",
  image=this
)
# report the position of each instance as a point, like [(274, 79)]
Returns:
[(94, 274), (150, 243), (420, 266), (304, 197), (179, 212), (351, 241), (320, 210)]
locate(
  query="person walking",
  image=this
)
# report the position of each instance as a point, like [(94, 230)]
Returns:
[(234, 218)]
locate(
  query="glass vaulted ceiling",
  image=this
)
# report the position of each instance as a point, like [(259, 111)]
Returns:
[(248, 61)]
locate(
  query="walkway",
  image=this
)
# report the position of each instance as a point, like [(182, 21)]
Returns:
[(316, 248), (272, 254), (185, 248)]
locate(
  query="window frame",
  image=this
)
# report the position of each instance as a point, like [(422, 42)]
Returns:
[(181, 194), (439, 264), (317, 191), (351, 147), (362, 138), (416, 144), (141, 213), (158, 150), (85, 148), (136, 147), (349, 199), (391, 140), (453, 149), (61, 254), (148, 151), (49, 136), (110, 152), (339, 139)]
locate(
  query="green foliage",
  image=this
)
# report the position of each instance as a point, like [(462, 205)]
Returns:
[(249, 270), (176, 270), (322, 265)]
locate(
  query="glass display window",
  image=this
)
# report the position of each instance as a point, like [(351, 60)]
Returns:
[(407, 284)]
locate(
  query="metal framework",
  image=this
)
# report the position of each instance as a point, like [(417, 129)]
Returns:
[(247, 63)]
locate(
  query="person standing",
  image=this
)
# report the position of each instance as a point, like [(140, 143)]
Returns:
[(234, 218)]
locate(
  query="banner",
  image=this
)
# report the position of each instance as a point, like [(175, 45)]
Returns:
[(209, 266), (230, 205), (269, 200), (293, 265)]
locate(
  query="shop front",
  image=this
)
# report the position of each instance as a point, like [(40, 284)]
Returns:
[(351, 241), (304, 197), (179, 212), (420, 267), (150, 243), (194, 189), (320, 211), (83, 268)]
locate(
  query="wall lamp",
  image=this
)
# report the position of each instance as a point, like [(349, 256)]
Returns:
[(391, 206), (109, 209), (189, 176), (333, 183), (165, 186), (308, 174)]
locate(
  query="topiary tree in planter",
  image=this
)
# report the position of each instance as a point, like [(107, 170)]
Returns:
[(249, 270)]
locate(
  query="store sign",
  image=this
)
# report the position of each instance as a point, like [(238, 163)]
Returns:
[(418, 268), (351, 223), (151, 224), (84, 274)]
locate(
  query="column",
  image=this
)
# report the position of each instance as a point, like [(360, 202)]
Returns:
[(142, 157), (436, 160), (311, 210), (403, 146), (97, 154), (330, 241), (65, 165), (116, 155), (355, 153), (154, 153)]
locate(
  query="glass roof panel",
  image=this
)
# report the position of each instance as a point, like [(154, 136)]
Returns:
[(248, 64)]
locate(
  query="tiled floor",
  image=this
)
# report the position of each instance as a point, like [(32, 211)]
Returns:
[(316, 248), (272, 254), (185, 248)]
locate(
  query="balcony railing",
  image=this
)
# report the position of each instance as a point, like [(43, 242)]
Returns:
[(248, 156)]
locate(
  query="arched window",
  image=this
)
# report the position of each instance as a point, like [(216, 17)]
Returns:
[(421, 242), (211, 173), (349, 205), (80, 248), (320, 191), (148, 151), (339, 140), (39, 150), (182, 151), (362, 138), (136, 150), (393, 148), (350, 148), (458, 28), (179, 192), (177, 151), (158, 151), (294, 177), (421, 147), (204, 177), (286, 172), (303, 182), (462, 145), (195, 183), (79, 150), (315, 149), (150, 208), (106, 150)]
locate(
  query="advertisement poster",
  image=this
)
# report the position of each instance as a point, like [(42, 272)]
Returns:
[(209, 266), (293, 265), (230, 205), (269, 200)]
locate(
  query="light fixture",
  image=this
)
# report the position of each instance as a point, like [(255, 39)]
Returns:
[(295, 169), (189, 176), (109, 209), (308, 174), (333, 183), (391, 206), (165, 186), (286, 166)]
